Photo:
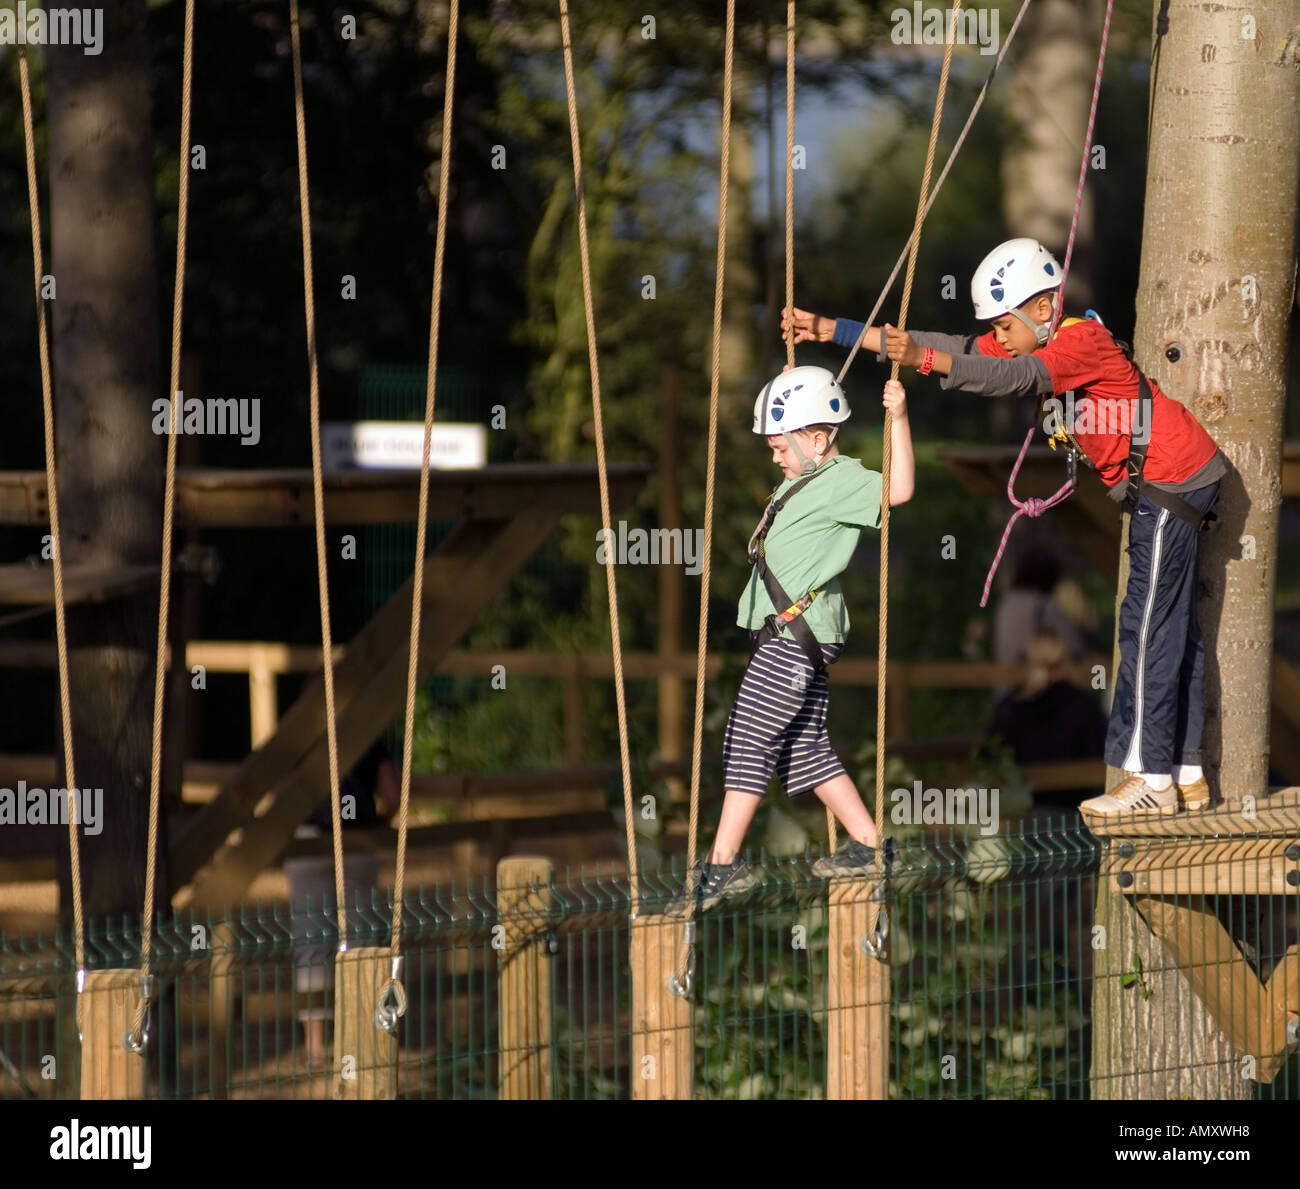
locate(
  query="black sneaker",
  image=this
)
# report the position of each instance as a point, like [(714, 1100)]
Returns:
[(714, 882), (853, 858)]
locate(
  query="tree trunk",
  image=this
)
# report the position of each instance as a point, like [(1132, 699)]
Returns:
[(1218, 270), (106, 367)]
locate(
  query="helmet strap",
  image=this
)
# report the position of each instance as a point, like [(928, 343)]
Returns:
[(808, 465), (1041, 329)]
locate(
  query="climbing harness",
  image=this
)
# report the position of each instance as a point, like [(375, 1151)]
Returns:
[(1139, 442), (793, 615)]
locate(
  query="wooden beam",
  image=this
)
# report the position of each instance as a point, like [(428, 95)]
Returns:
[(1238, 867), (1220, 977), (303, 724), (34, 585), (208, 498), (373, 680)]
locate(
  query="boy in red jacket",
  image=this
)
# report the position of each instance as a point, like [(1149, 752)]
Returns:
[(1148, 449)]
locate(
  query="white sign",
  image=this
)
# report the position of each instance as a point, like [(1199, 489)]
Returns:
[(394, 445)]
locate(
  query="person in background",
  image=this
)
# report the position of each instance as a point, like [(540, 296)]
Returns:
[(1048, 718), (368, 796), (1030, 609)]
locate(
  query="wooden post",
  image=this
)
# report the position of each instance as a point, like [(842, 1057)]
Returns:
[(857, 1018), (221, 1008), (663, 1048), (671, 704), (263, 710), (108, 1005), (365, 1056), (524, 998)]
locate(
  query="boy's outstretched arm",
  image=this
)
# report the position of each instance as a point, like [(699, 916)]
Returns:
[(902, 464), (820, 328), (990, 375)]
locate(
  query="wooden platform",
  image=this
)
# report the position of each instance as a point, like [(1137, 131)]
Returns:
[(209, 498), (34, 585), (1169, 865), (1231, 849)]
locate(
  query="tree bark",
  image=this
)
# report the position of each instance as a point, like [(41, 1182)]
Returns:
[(106, 367), (1218, 273)]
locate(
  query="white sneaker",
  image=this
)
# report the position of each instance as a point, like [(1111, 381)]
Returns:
[(1133, 796)]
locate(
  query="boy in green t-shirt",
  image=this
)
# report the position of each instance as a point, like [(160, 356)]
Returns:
[(797, 622)]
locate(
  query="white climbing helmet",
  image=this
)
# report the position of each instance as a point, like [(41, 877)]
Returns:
[(1009, 276), (796, 399)]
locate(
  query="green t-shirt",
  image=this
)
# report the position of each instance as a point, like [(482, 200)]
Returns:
[(810, 544)]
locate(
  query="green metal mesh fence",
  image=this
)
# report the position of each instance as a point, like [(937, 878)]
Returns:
[(993, 956)]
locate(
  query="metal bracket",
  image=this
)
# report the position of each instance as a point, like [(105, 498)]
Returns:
[(392, 1002), (680, 985), (875, 946), (131, 1042)]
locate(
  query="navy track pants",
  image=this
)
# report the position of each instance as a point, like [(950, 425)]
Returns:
[(1158, 712)]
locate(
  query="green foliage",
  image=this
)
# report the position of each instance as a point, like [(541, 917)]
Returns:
[(1134, 976)]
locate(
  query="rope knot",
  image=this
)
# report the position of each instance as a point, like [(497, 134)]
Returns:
[(1034, 507)]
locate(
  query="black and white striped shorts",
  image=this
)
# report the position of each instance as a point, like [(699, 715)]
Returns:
[(779, 722)]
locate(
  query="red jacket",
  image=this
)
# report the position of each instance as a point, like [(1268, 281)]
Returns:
[(1084, 357)]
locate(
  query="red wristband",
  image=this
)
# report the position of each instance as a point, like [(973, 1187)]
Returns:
[(928, 362)]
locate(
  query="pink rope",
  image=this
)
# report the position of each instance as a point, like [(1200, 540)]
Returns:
[(1036, 507), (1058, 306), (1031, 507)]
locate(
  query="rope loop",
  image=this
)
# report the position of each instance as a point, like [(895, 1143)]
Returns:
[(391, 1006)]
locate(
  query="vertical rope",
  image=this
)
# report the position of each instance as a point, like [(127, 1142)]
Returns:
[(1058, 306), (318, 494), (417, 593), (789, 180), (789, 237), (715, 377), (169, 500), (886, 457), (938, 185), (52, 495), (610, 582)]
